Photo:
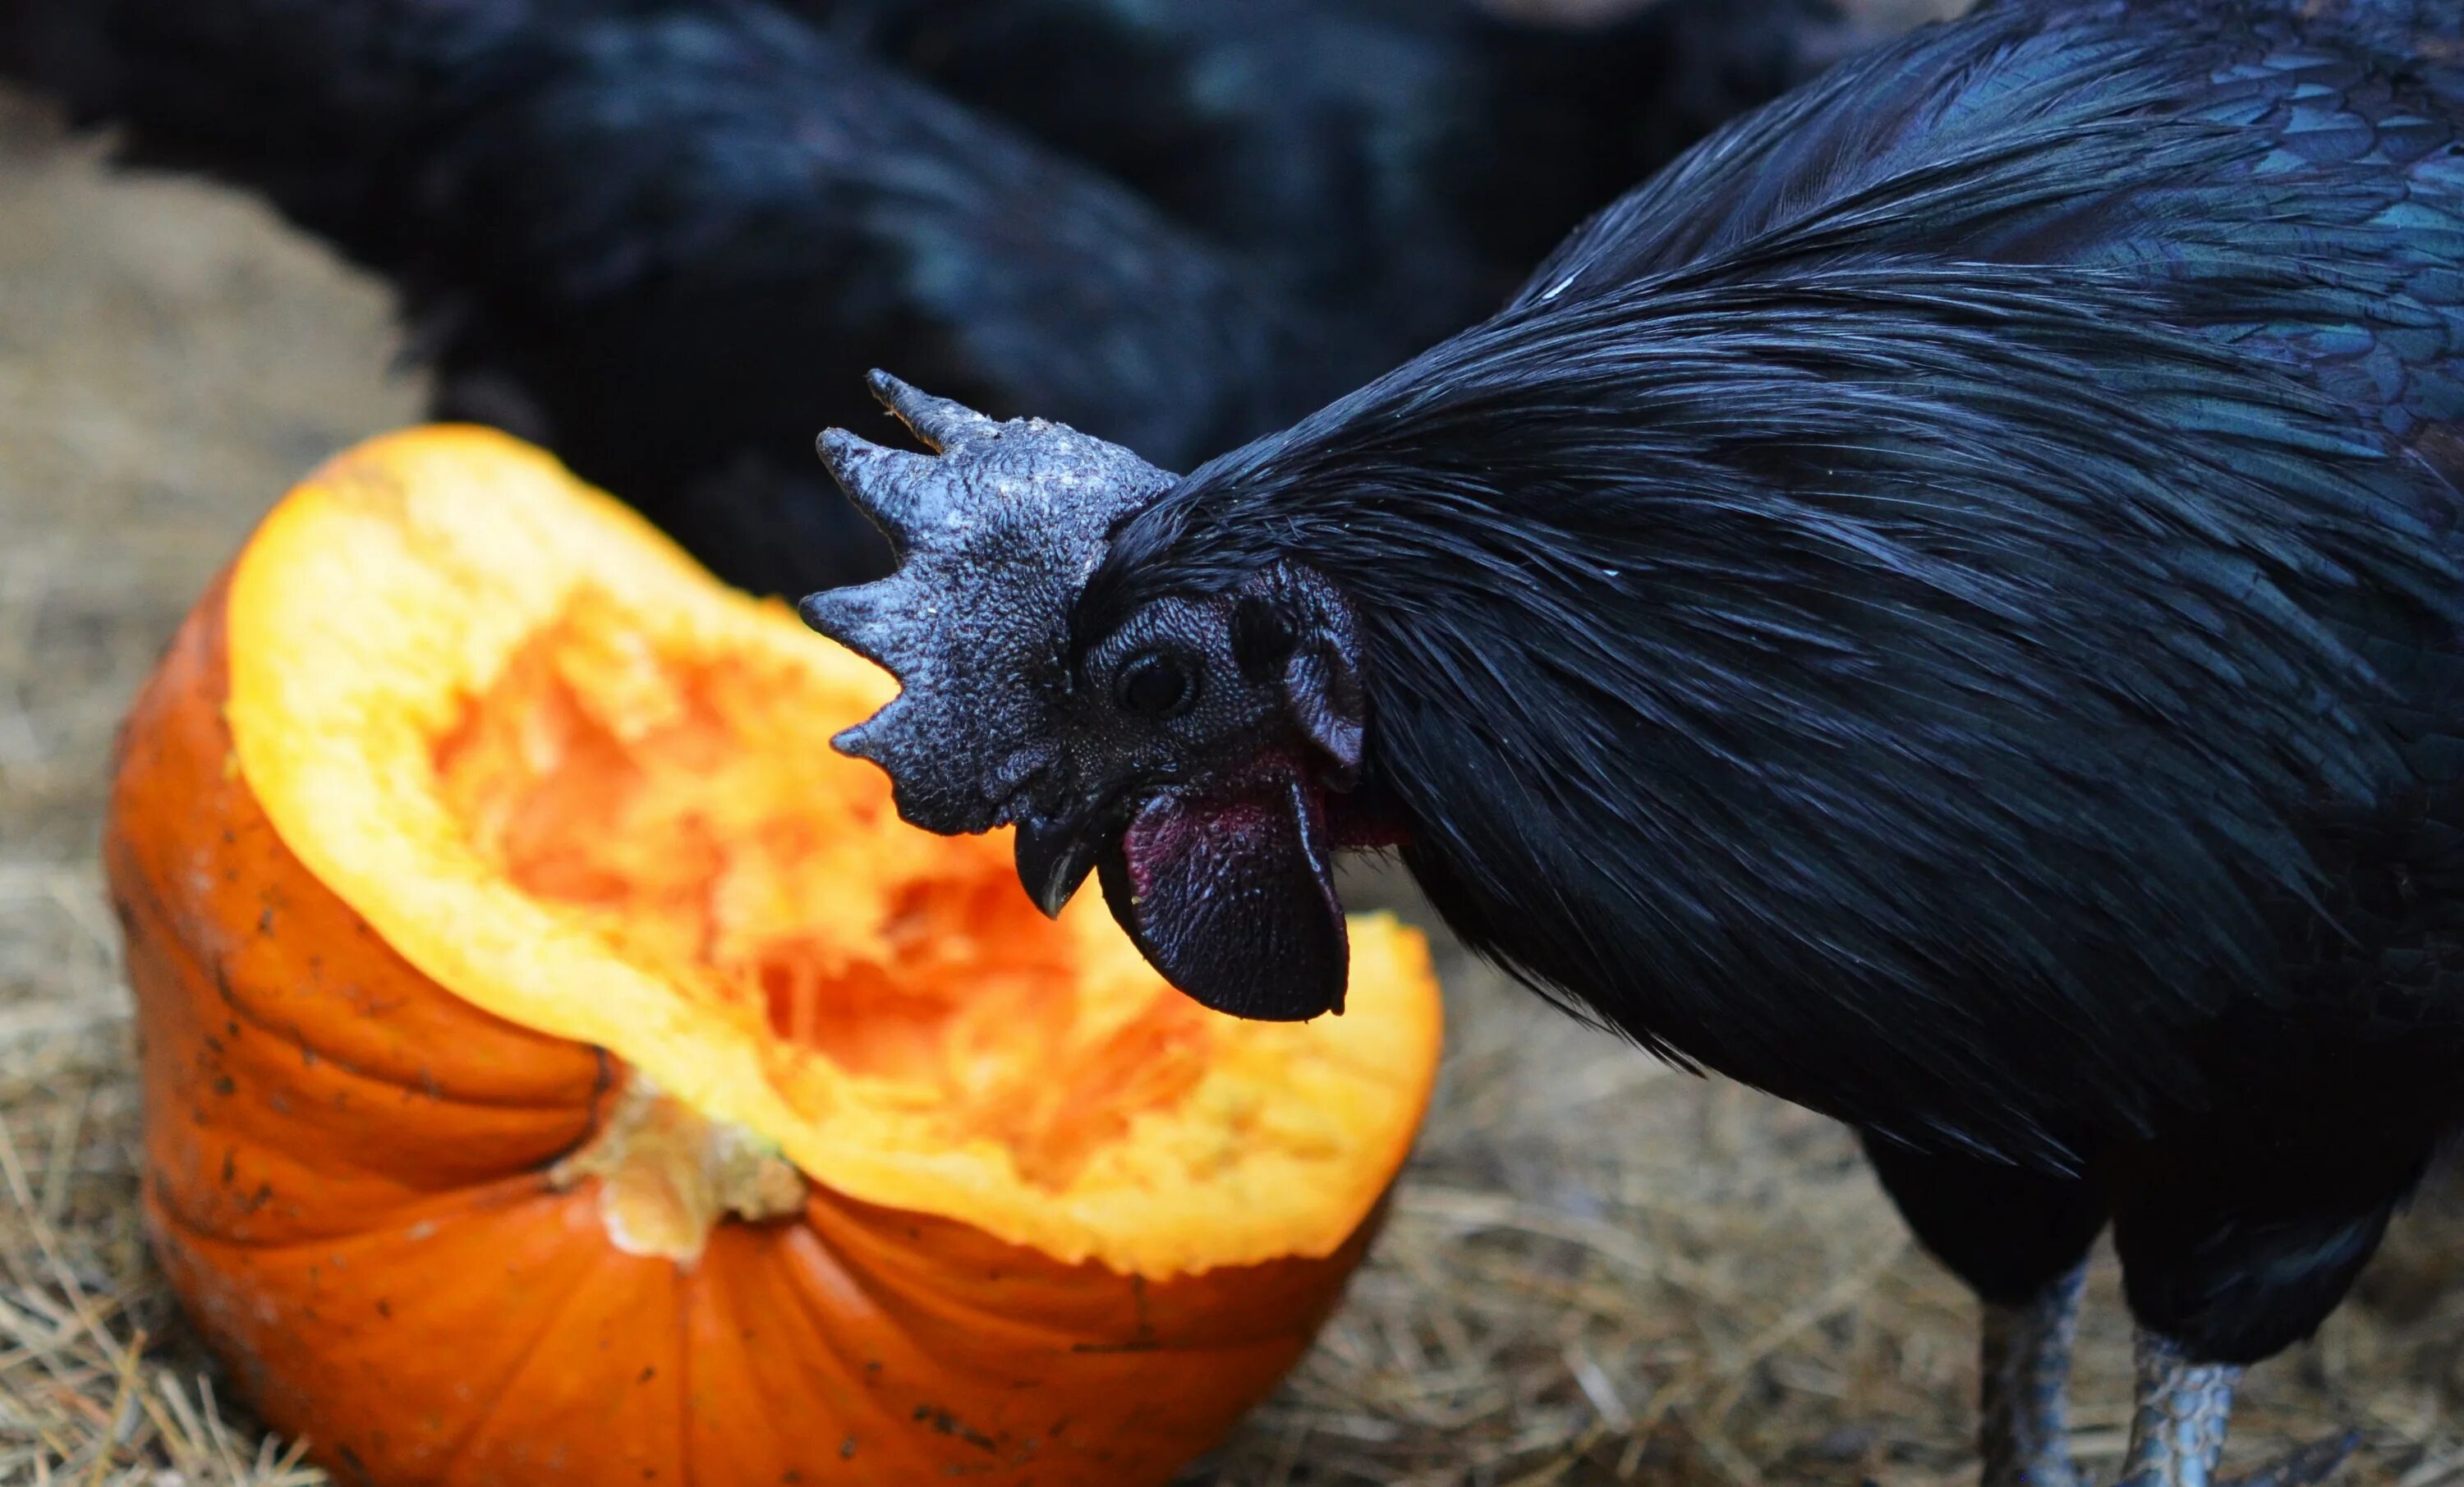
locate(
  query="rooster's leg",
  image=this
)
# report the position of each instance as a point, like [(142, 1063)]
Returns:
[(2237, 1239), (2026, 1433), (2178, 1430), (2021, 1238)]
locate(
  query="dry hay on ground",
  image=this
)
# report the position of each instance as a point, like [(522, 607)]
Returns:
[(1597, 1270)]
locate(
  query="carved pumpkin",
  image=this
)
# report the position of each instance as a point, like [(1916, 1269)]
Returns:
[(560, 1066)]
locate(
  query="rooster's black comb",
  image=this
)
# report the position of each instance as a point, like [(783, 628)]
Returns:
[(997, 532)]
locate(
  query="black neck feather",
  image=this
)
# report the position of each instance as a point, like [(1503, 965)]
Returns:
[(1856, 681)]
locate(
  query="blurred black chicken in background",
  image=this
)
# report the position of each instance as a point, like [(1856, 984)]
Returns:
[(665, 237)]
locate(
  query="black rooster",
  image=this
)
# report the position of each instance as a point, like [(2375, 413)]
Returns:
[(663, 236), (1945, 605)]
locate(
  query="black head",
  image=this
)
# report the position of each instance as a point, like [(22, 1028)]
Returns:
[(1186, 755)]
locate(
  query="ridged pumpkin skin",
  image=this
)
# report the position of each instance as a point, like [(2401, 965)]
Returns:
[(350, 1181)]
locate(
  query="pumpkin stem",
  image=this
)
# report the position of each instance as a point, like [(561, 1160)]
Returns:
[(668, 1174)]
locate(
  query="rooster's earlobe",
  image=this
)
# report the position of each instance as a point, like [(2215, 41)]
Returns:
[(1294, 626)]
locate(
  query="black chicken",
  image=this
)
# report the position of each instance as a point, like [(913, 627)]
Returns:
[(663, 236), (1403, 160), (633, 231), (1945, 605)]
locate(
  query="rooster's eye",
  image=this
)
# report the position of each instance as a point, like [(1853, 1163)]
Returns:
[(1154, 685)]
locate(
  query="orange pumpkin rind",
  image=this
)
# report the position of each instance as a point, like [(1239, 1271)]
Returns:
[(486, 1151)]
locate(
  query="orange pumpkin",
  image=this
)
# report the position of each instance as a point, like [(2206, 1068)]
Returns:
[(561, 1067)]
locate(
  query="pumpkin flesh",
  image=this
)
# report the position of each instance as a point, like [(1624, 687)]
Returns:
[(486, 870)]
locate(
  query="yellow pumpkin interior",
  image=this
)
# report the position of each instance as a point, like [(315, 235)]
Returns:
[(584, 786)]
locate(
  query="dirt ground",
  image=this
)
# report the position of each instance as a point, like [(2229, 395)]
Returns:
[(1597, 1270)]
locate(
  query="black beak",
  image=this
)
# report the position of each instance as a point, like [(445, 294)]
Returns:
[(1055, 854)]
